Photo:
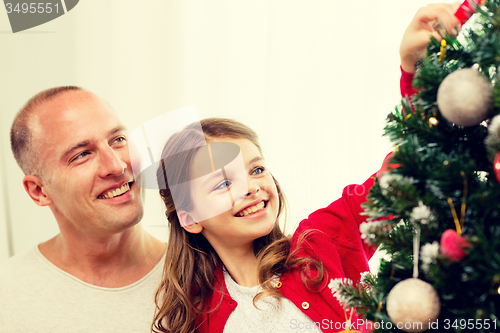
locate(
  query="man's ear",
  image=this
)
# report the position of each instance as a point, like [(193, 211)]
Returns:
[(35, 189), (188, 223)]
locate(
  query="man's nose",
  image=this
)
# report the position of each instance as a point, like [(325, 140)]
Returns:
[(112, 163)]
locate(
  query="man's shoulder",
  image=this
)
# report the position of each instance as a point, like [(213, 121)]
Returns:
[(19, 264)]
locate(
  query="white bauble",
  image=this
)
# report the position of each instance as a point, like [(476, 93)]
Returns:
[(465, 97), (413, 305)]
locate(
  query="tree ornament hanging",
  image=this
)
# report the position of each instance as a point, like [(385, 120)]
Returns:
[(413, 305), (496, 166), (465, 97), (453, 245)]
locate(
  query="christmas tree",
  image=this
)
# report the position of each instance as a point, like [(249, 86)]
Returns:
[(436, 209)]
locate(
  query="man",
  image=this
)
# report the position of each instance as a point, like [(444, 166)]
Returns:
[(100, 273)]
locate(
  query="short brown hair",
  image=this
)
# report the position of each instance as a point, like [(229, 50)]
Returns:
[(22, 140)]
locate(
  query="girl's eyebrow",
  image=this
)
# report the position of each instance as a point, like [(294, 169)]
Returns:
[(219, 172), (213, 175), (255, 159)]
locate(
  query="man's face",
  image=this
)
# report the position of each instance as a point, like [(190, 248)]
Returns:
[(87, 176)]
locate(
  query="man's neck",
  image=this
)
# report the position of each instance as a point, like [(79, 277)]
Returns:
[(114, 261)]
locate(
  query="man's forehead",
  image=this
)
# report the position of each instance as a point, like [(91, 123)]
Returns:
[(81, 100), (72, 106), (73, 117)]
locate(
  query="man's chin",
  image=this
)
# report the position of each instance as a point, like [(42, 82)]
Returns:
[(123, 221)]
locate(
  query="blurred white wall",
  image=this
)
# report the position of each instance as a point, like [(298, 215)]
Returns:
[(314, 78)]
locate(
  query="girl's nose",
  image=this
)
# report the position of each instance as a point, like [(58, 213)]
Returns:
[(253, 187)]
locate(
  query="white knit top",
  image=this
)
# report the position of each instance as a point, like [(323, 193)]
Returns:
[(274, 314)]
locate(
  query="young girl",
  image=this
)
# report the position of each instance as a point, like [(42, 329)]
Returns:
[(216, 266), (235, 270)]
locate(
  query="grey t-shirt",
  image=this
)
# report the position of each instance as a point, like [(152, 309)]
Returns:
[(37, 296)]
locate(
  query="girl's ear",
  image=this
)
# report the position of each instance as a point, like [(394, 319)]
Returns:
[(188, 223)]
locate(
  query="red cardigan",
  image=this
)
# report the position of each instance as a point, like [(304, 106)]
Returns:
[(339, 246)]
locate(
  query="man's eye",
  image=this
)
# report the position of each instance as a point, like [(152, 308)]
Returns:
[(120, 139), (258, 170), (225, 183), (80, 156)]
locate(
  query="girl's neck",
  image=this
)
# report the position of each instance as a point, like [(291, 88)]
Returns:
[(242, 265)]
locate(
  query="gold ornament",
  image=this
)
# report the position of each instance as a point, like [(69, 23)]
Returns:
[(442, 51), (459, 223), (348, 323)]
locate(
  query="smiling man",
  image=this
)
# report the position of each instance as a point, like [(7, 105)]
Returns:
[(100, 273)]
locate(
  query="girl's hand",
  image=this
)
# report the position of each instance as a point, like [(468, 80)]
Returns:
[(426, 23)]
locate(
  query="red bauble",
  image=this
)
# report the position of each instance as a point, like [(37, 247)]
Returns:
[(453, 245), (496, 165)]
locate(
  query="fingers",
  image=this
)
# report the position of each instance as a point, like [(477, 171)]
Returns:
[(440, 18), (432, 20)]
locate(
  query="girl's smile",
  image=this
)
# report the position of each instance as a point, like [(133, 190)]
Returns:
[(252, 210)]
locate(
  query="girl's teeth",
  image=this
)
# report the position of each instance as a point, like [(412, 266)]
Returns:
[(251, 210)]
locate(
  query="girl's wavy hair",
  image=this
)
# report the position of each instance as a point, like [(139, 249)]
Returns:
[(190, 259)]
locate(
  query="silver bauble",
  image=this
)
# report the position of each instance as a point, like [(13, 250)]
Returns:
[(465, 97), (413, 305)]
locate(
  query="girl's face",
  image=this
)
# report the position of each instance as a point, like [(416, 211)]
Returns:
[(252, 210)]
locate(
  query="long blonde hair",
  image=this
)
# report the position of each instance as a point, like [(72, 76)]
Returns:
[(190, 259)]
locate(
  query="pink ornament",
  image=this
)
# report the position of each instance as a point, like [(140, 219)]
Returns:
[(367, 326), (496, 166), (453, 245)]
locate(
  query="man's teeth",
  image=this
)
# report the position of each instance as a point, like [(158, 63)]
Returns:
[(116, 192), (251, 210)]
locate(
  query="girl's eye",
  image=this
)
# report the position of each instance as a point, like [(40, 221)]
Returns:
[(225, 183), (258, 170)]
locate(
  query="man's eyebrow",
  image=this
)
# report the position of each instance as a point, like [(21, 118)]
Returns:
[(76, 147), (88, 142), (116, 129)]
